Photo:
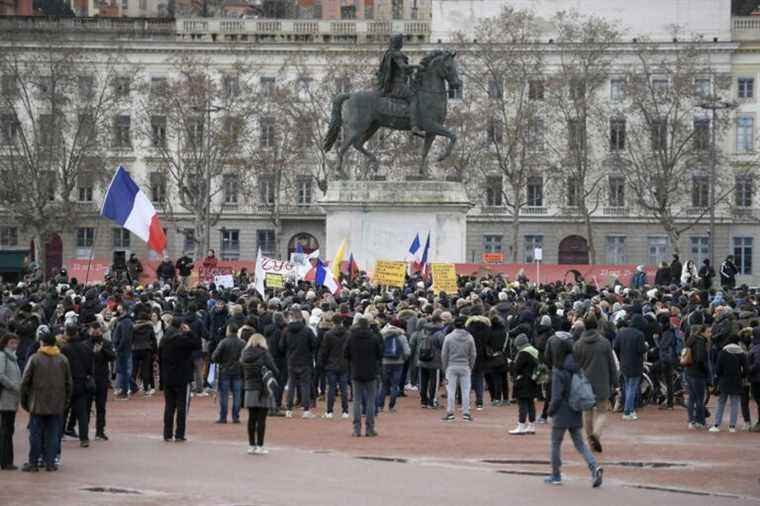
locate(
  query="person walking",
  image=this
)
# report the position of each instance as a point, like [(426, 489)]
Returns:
[(458, 357), (227, 356), (176, 365), (258, 400), (565, 418), (46, 387), (593, 354), (731, 368), (526, 388), (630, 347), (10, 385), (103, 355), (364, 352)]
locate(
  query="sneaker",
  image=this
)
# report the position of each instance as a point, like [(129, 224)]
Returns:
[(732, 429), (251, 450), (479, 407), (262, 451), (597, 477), (288, 414), (328, 415), (29, 468), (553, 480), (51, 468), (70, 433), (308, 414), (691, 426), (356, 434), (628, 417), (467, 417), (84, 444), (519, 430), (392, 410), (122, 397), (541, 419), (634, 416), (746, 427), (221, 421), (595, 444), (372, 433), (699, 425), (344, 416), (152, 391), (531, 428), (714, 428), (179, 440), (449, 417)]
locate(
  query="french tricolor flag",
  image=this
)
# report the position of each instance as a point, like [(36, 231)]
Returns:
[(128, 206)]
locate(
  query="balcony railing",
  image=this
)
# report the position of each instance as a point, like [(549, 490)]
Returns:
[(111, 27), (747, 213), (533, 211), (745, 28), (616, 211)]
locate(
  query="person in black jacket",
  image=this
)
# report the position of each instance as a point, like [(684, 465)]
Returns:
[(176, 364), (364, 352), (299, 343), (257, 397), (675, 270), (663, 277), (630, 346), (697, 374), (81, 362), (332, 360), (185, 268), (144, 345), (728, 273), (706, 275), (121, 337), (165, 271), (227, 356), (731, 368), (274, 333), (103, 355), (666, 357)]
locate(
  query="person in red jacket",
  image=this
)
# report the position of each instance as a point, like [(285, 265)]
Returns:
[(210, 262)]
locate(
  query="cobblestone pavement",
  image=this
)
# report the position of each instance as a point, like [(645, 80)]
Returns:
[(417, 459)]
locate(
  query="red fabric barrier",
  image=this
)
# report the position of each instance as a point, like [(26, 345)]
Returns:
[(550, 273)]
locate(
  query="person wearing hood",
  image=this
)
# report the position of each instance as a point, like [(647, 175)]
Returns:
[(10, 385), (46, 387), (123, 335), (544, 331), (549, 358), (80, 358), (731, 367), (255, 357), (90, 307), (728, 273), (706, 275), (479, 328), (429, 343), (396, 351), (364, 352), (689, 276), (754, 373), (299, 344), (227, 358), (525, 387), (144, 346), (458, 357), (630, 346), (667, 357), (332, 360), (565, 418)]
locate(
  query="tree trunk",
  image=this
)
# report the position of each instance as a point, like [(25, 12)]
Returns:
[(199, 226), (590, 238), (39, 252)]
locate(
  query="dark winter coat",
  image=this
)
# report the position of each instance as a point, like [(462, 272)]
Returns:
[(46, 384), (728, 273), (563, 416), (143, 336), (754, 362), (731, 369), (90, 307), (662, 277), (593, 354), (675, 271), (524, 366), (218, 325), (227, 355), (630, 347), (175, 355), (552, 345), (332, 355), (364, 352), (185, 266), (480, 329), (435, 334), (165, 270), (698, 347), (122, 335), (251, 360), (723, 329), (101, 360), (80, 360), (299, 343)]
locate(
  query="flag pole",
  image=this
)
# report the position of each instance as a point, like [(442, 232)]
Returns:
[(92, 248)]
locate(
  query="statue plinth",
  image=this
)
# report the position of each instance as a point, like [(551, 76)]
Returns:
[(380, 219)]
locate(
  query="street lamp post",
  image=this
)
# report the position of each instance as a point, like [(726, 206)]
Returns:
[(715, 104)]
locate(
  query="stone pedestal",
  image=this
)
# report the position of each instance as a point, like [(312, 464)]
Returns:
[(380, 219)]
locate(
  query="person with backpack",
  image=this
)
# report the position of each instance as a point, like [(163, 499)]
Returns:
[(667, 356), (429, 344), (694, 360), (254, 361), (458, 357), (565, 418), (730, 370), (754, 373), (526, 387), (395, 352)]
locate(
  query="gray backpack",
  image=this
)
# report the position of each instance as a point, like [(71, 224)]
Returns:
[(581, 395)]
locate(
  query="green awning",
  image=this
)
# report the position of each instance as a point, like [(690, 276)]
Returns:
[(12, 261)]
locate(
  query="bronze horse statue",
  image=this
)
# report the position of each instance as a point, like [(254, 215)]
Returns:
[(360, 114)]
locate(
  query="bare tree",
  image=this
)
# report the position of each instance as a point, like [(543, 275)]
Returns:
[(578, 108), (667, 141), (57, 108)]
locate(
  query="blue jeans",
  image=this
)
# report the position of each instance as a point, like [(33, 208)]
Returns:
[(558, 433), (227, 383), (337, 379), (631, 391), (44, 431), (696, 403), (124, 370), (734, 399), (364, 393), (391, 379)]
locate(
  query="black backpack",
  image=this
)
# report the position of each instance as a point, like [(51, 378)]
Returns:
[(427, 353)]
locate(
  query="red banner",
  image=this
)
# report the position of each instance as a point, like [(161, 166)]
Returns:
[(99, 268)]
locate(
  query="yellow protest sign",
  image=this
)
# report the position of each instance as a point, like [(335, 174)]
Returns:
[(274, 280), (389, 273), (444, 278)]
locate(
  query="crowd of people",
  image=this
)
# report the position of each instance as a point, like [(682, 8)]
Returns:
[(63, 346)]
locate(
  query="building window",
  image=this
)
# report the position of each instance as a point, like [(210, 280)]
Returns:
[(617, 191), (267, 132), (195, 138), (86, 88), (744, 190), (265, 241), (743, 254), (535, 191), (536, 90), (48, 132), (576, 135), (494, 191), (158, 131), (657, 248), (535, 134), (496, 130), (9, 87), (703, 88), (617, 90), (495, 88), (745, 142), (188, 244), (456, 93), (659, 134), (266, 189), (303, 189), (158, 87), (157, 187), (492, 243), (660, 85), (124, 5), (10, 127), (577, 89), (267, 86), (348, 12), (122, 137), (343, 84), (574, 192), (397, 9), (85, 237), (746, 87), (531, 243), (617, 134), (231, 85), (87, 129), (230, 244), (699, 248), (231, 184), (700, 191), (120, 238), (84, 187), (616, 249), (369, 10), (701, 134), (121, 87), (8, 236)]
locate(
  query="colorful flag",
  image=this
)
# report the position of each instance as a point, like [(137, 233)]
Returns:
[(128, 206), (353, 267), (339, 259), (424, 260), (323, 277), (414, 250)]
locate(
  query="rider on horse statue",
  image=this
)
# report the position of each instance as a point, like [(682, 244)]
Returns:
[(393, 79)]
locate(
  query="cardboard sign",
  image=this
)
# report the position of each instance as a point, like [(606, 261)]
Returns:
[(493, 258), (538, 254), (224, 281), (389, 273), (444, 278), (274, 280)]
